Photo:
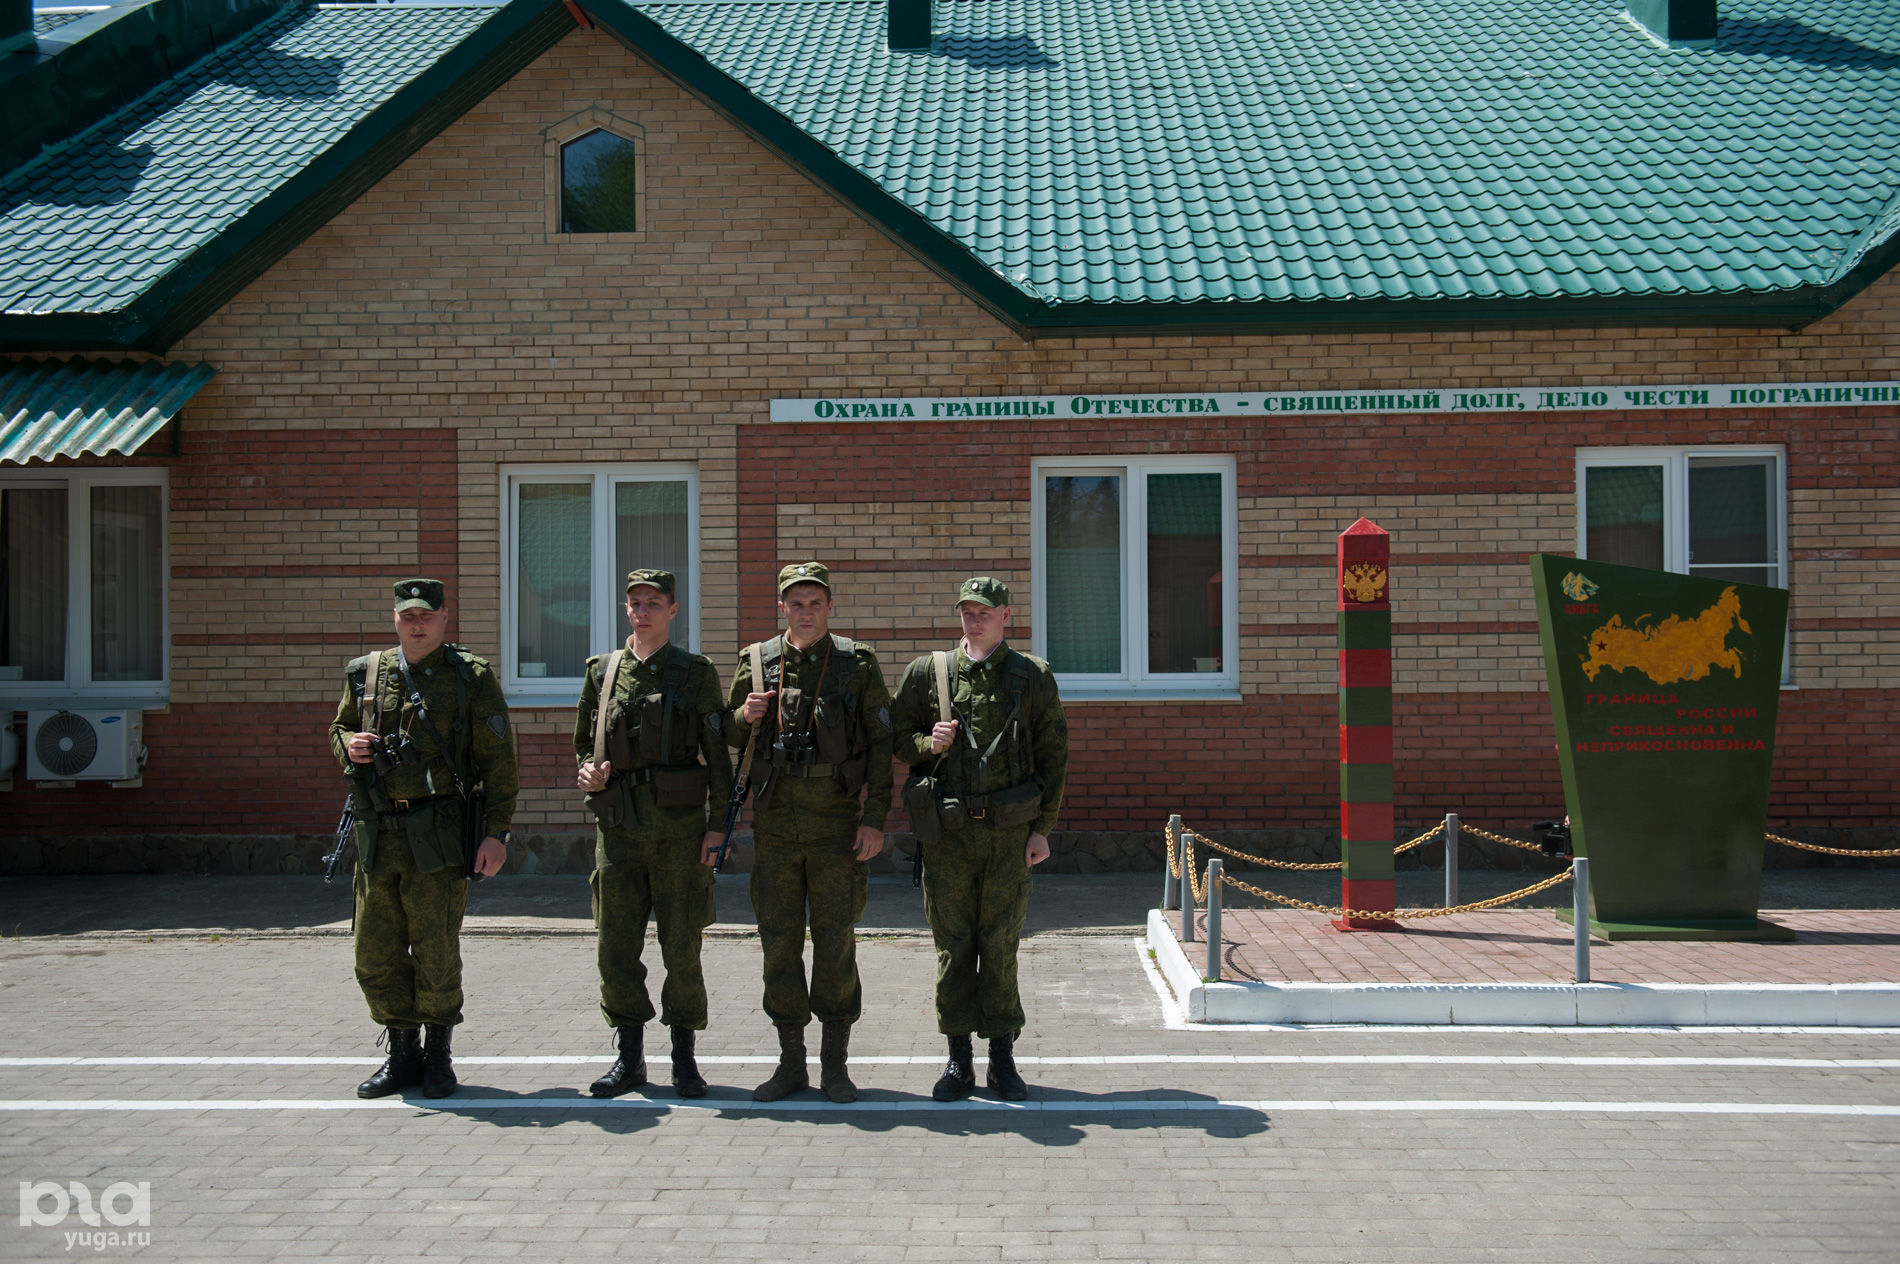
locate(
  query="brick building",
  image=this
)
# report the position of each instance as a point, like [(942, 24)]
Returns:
[(1135, 305)]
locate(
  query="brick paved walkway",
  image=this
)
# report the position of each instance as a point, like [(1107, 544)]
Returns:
[(1532, 946)]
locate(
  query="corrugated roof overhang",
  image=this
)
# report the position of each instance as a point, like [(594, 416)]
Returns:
[(78, 407)]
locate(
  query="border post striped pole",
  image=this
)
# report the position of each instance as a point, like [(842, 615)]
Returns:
[(1365, 725)]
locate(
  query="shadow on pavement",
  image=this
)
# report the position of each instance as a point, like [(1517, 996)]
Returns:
[(1051, 1117)]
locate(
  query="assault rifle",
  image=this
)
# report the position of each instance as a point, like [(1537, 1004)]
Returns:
[(345, 834), (741, 787)]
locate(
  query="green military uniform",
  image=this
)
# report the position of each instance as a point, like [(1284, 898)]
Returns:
[(806, 816), (976, 879), (666, 719), (410, 887)]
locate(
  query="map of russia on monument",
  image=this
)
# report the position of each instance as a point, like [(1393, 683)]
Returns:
[(1664, 689)]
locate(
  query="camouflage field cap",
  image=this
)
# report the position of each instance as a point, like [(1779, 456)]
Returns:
[(424, 594), (984, 590), (662, 580), (803, 573)]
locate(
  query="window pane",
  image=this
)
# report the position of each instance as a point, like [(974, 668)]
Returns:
[(1732, 518), (1184, 579), (1623, 514), (650, 530), (34, 553), (553, 566), (1082, 534), (598, 174), (128, 583)]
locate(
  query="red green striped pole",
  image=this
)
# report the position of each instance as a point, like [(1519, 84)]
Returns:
[(1365, 725)]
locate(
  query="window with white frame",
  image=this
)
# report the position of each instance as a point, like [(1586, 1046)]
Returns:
[(83, 586), (1132, 573), (571, 533), (1718, 512)]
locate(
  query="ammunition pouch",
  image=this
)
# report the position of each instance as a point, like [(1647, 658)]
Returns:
[(921, 801), (612, 804), (620, 741), (831, 729), (681, 786), (434, 829)]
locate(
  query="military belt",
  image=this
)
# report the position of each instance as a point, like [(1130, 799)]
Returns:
[(403, 807), (806, 770)]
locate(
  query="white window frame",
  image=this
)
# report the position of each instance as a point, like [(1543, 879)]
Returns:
[(608, 621), (1134, 681), (1675, 463), (78, 687)]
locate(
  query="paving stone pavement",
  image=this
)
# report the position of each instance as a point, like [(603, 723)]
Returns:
[(1142, 1140)]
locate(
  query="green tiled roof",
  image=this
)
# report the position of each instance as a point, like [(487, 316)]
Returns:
[(1385, 155), (130, 232)]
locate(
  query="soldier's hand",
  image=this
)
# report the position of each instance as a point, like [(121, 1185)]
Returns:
[(490, 857), (756, 704), (359, 747), (942, 733), (709, 848), (1037, 851), (870, 842), (593, 776)]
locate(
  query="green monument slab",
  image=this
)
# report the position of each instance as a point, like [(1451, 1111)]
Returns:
[(1664, 690)]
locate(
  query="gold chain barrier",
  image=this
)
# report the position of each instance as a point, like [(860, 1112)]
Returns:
[(1831, 851), (1197, 884)]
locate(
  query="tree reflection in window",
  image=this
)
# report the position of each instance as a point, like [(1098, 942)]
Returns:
[(599, 184)]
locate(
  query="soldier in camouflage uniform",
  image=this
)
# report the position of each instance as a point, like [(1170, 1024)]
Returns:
[(999, 764), (658, 792), (410, 885), (823, 766)]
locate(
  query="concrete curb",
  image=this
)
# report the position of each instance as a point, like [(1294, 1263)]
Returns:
[(1520, 1004)]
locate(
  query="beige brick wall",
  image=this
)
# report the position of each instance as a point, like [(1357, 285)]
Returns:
[(440, 300)]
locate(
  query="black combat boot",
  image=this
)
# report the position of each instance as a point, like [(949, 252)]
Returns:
[(629, 1070), (1002, 1077), (401, 1069), (833, 1051), (959, 1074), (438, 1067), (686, 1076), (790, 1076)]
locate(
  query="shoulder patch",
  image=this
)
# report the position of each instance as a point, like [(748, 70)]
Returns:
[(884, 716), (499, 723), (716, 721)]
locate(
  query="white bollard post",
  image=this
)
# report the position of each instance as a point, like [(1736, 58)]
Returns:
[(1580, 878), (1451, 859), (1214, 870)]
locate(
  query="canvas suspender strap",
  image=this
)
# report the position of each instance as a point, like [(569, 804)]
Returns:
[(756, 660), (940, 660), (609, 677), (371, 712), (672, 685)]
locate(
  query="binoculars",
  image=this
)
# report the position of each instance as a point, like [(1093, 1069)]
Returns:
[(1556, 840), (386, 757), (794, 750)]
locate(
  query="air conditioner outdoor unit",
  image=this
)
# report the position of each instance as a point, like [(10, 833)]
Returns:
[(83, 745)]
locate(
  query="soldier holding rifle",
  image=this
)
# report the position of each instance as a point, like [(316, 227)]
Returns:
[(982, 728), (654, 767), (418, 727), (817, 708)]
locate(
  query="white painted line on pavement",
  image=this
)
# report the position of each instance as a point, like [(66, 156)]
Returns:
[(1056, 1106), (1124, 1059)]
